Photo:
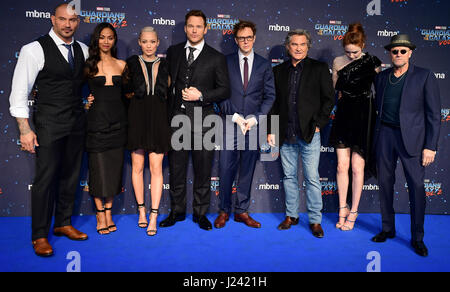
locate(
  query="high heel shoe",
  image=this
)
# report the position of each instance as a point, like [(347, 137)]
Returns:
[(101, 230), (346, 227), (153, 232), (142, 224), (111, 226), (339, 224)]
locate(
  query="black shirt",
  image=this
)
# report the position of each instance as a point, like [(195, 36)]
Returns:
[(293, 129)]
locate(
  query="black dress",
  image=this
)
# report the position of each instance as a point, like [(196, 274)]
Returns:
[(355, 115), (106, 137), (148, 122)]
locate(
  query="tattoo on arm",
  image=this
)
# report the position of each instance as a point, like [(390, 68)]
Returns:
[(24, 127)]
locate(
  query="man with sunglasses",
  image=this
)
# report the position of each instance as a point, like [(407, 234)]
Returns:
[(408, 125)]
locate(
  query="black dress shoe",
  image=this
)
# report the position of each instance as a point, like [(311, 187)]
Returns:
[(382, 236), (203, 222), (172, 219), (420, 248)]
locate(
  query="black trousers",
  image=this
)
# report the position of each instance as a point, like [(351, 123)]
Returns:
[(389, 149), (178, 165), (56, 180)]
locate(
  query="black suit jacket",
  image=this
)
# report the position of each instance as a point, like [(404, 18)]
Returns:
[(210, 77), (315, 99)]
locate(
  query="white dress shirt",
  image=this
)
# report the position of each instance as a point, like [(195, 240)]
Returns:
[(250, 59), (199, 48), (31, 61)]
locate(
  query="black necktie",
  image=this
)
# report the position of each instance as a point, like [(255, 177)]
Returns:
[(70, 56), (191, 56)]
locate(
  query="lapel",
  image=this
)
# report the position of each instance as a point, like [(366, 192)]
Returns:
[(235, 72), (383, 83), (405, 86), (179, 53), (252, 74), (305, 75)]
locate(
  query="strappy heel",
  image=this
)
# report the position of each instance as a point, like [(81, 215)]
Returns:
[(348, 228), (111, 226), (152, 232), (101, 230), (339, 224), (142, 224)]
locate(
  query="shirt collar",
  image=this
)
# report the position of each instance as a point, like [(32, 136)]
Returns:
[(199, 46), (299, 65), (58, 41), (250, 57)]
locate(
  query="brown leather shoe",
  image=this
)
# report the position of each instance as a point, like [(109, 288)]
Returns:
[(317, 230), (221, 220), (70, 232), (42, 247), (245, 218), (288, 222)]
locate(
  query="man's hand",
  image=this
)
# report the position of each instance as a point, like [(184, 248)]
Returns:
[(242, 123), (28, 138), (191, 94), (317, 129), (28, 142), (250, 123), (428, 157), (271, 140)]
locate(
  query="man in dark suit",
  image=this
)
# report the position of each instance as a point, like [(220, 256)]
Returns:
[(304, 100), (252, 96), (54, 64), (407, 127), (199, 79)]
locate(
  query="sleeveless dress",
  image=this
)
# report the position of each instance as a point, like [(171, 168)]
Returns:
[(106, 137), (355, 115), (148, 122)]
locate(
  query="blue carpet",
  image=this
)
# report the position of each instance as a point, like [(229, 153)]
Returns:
[(186, 248)]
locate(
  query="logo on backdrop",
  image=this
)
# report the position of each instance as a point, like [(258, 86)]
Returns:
[(164, 22), (223, 22), (334, 29), (104, 14), (37, 14), (277, 27), (374, 8), (439, 34), (431, 188), (387, 33)]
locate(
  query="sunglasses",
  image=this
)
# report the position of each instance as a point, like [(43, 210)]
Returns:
[(395, 52)]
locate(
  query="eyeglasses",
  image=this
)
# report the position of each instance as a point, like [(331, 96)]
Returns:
[(242, 39), (395, 52)]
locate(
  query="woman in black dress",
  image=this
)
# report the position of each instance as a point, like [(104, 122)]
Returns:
[(148, 124), (351, 134), (107, 123)]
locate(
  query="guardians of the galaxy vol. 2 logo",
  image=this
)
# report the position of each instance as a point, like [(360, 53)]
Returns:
[(223, 22), (334, 29), (104, 14)]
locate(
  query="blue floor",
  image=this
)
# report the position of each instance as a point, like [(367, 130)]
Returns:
[(184, 247)]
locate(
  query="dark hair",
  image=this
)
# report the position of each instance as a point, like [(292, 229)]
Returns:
[(94, 50), (243, 24), (198, 13), (355, 35)]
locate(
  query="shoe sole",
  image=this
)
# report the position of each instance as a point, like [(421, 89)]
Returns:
[(75, 239)]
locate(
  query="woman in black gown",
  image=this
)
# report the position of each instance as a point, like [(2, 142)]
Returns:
[(148, 127), (351, 134), (107, 123)]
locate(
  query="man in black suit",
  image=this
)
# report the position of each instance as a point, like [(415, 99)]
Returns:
[(304, 100), (199, 77)]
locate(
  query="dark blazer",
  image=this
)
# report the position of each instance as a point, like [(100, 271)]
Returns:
[(210, 77), (257, 100), (315, 98), (420, 109)]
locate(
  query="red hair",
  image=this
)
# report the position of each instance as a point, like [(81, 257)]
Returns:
[(355, 35)]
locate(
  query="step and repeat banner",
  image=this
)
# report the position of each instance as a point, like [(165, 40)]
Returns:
[(22, 21)]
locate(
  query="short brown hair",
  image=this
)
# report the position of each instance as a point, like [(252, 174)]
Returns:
[(198, 13), (243, 24), (355, 35)]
